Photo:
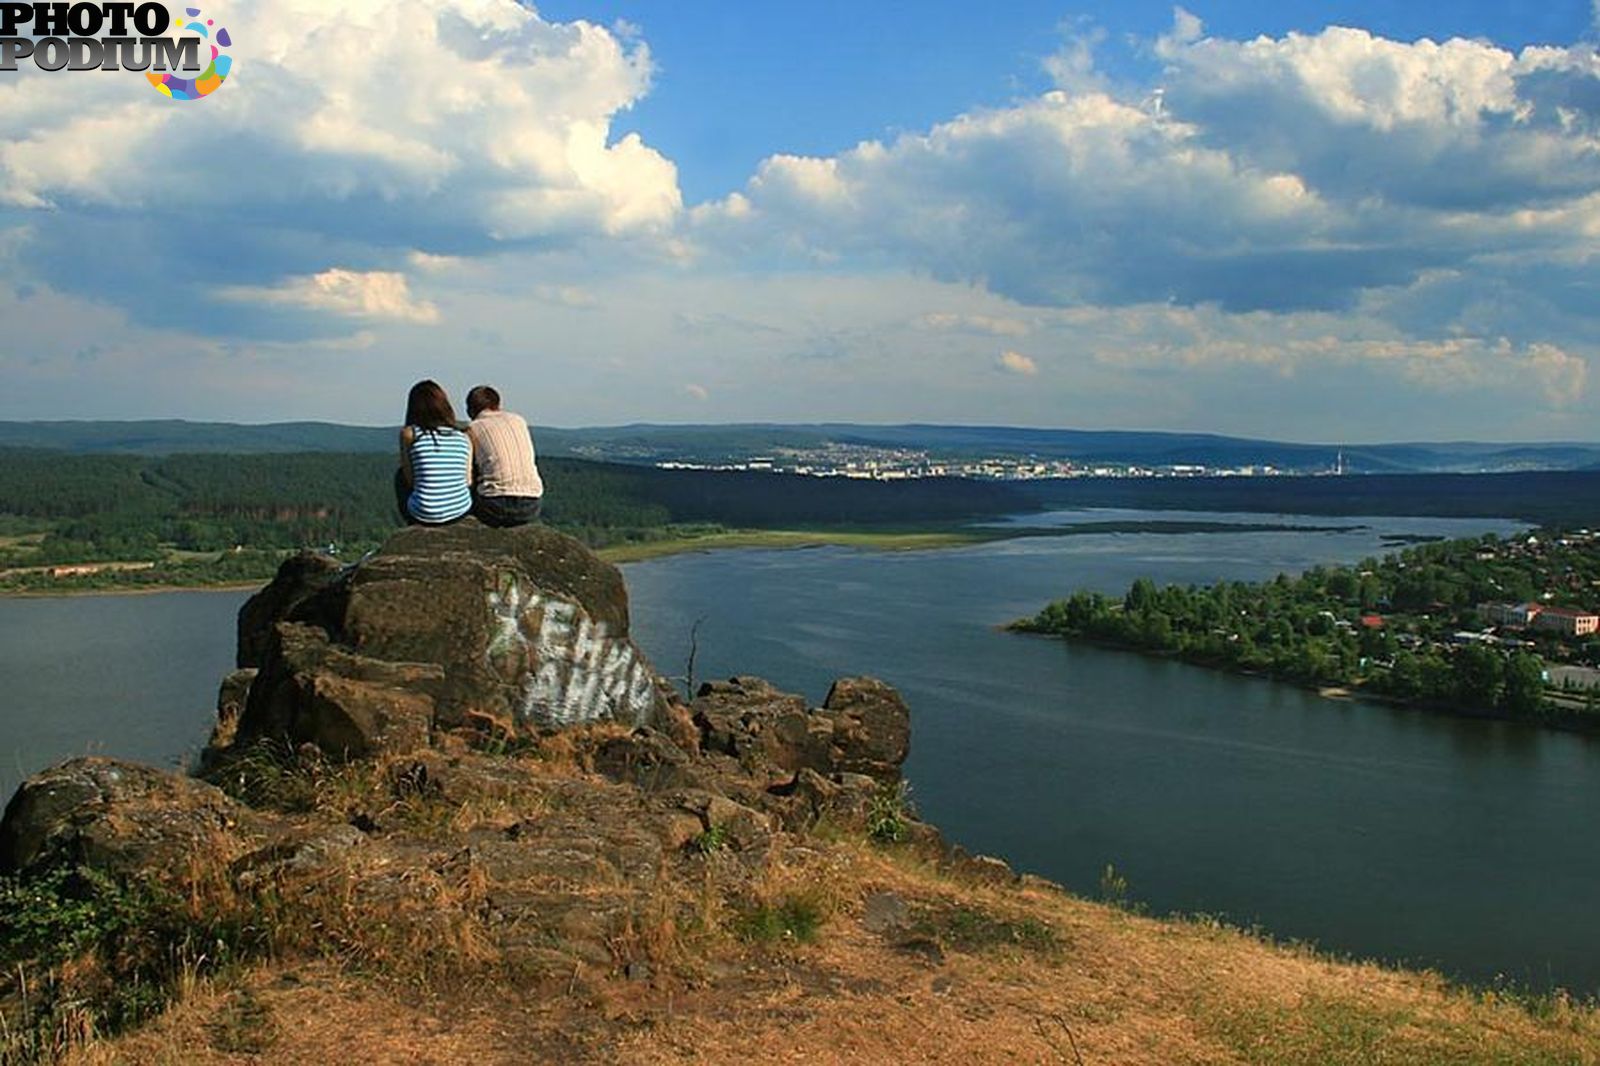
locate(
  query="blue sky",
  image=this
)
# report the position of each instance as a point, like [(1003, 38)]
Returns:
[(840, 72), (1337, 221)]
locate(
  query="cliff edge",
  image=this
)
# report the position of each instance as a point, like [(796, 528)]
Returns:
[(451, 812)]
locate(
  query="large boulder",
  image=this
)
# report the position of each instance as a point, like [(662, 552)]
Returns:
[(748, 718), (351, 706), (863, 727), (501, 630), (871, 726), (118, 816)]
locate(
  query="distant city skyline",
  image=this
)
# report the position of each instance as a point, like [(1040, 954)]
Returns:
[(1336, 222)]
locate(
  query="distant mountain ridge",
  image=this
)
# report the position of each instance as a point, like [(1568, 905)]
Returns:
[(708, 443)]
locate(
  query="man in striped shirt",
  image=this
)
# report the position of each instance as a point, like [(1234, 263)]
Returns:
[(507, 489)]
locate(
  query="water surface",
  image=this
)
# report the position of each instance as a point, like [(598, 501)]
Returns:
[(1463, 844), (131, 675)]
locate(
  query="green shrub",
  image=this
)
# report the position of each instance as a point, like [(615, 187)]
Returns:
[(711, 841), (1113, 887), (793, 918), (86, 953), (890, 814)]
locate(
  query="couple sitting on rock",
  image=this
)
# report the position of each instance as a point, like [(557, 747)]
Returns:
[(446, 473)]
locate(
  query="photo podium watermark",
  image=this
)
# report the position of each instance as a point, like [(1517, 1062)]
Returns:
[(169, 50)]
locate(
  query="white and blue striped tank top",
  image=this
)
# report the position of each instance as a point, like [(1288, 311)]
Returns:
[(441, 460)]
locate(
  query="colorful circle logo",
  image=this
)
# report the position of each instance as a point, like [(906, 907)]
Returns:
[(210, 79)]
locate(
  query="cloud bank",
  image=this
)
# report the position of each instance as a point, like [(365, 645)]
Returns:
[(351, 136), (1299, 220)]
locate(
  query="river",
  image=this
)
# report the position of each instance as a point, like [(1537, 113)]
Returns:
[(1465, 845)]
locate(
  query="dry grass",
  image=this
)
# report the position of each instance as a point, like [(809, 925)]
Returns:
[(1116, 988), (382, 958)]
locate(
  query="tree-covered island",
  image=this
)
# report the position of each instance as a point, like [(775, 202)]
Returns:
[(1486, 626)]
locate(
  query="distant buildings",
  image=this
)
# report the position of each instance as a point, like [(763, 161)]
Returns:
[(1566, 621), (1509, 614), (866, 462), (1563, 620), (84, 569)]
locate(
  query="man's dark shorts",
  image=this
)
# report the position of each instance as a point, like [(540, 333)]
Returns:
[(503, 511)]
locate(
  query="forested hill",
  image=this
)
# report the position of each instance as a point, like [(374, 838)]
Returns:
[(169, 436), (124, 506), (717, 443)]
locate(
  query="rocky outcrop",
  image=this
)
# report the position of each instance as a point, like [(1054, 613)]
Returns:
[(454, 742), (120, 817), (554, 865), (863, 727), (305, 589), (314, 691), (505, 632), (871, 726)]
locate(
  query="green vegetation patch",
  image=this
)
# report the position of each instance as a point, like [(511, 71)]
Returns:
[(711, 841), (1324, 1031), (217, 519), (889, 816), (795, 917), (269, 775), (85, 954), (963, 927)]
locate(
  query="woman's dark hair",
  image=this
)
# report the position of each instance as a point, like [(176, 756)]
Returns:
[(427, 407)]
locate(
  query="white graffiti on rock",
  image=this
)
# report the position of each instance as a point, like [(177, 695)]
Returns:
[(571, 670)]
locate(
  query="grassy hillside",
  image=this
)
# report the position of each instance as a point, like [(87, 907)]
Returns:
[(834, 947)]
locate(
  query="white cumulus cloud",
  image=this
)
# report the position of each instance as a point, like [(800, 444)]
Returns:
[(1016, 363), (1287, 173), (478, 112), (1060, 199), (369, 134), (375, 294)]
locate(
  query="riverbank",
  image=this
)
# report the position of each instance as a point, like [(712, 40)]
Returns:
[(140, 590), (1465, 627), (83, 585), (799, 538), (1569, 720), (925, 539)]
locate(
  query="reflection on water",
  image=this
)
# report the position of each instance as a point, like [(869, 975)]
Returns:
[(1368, 829)]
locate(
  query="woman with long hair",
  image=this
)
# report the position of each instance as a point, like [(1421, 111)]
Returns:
[(434, 483)]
